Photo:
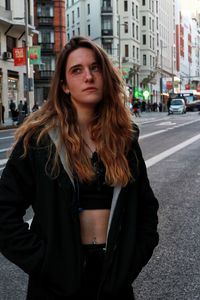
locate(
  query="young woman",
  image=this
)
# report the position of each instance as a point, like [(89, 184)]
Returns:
[(78, 164)]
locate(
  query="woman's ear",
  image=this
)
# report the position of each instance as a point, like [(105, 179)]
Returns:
[(65, 88)]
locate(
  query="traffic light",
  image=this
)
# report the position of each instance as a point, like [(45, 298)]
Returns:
[(136, 93), (146, 94)]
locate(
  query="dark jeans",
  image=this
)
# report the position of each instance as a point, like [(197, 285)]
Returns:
[(94, 256)]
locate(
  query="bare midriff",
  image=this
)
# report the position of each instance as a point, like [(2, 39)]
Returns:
[(94, 224)]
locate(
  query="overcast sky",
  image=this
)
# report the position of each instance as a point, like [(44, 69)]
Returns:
[(192, 5)]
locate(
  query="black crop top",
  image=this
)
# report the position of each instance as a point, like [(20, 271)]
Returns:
[(96, 194)]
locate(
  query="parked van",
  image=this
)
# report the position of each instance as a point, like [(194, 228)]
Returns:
[(177, 106)]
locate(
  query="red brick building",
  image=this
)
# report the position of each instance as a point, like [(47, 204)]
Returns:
[(50, 22)]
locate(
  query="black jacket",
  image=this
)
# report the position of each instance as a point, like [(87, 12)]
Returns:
[(50, 251)]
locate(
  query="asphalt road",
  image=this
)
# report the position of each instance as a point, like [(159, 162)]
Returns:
[(171, 148)]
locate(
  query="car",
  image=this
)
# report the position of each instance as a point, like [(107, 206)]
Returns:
[(193, 106), (177, 106)]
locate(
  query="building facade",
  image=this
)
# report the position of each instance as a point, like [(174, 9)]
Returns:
[(13, 79), (50, 22)]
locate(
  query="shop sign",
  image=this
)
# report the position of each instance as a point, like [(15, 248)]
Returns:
[(34, 55), (187, 86), (19, 55), (169, 85)]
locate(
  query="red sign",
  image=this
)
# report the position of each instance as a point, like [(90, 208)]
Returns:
[(198, 88), (187, 86), (19, 55), (169, 85)]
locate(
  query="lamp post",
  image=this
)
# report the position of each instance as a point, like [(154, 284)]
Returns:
[(25, 18), (119, 43), (27, 59), (161, 74)]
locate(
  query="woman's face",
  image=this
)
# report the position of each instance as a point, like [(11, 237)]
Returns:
[(84, 79)]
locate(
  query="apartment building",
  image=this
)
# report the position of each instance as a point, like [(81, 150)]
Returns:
[(113, 24), (13, 79), (50, 22)]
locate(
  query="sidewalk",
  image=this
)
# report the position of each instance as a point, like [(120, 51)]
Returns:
[(8, 124)]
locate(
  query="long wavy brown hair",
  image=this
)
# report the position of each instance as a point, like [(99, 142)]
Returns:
[(112, 129)]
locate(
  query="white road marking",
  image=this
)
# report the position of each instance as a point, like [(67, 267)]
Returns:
[(5, 150), (3, 161), (154, 160), (7, 137), (165, 130), (166, 123)]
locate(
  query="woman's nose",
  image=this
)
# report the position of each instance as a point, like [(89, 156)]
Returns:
[(88, 75)]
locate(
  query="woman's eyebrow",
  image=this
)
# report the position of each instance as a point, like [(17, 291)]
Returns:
[(75, 66)]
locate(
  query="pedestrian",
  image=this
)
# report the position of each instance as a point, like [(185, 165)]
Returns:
[(2, 113), (78, 163), (168, 105), (136, 109), (35, 107), (13, 112), (25, 108)]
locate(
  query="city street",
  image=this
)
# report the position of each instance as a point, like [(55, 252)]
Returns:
[(171, 149)]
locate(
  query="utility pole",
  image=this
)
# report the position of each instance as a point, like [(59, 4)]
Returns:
[(172, 69), (161, 73), (27, 59), (119, 50)]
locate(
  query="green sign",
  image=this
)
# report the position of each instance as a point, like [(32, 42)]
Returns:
[(34, 54)]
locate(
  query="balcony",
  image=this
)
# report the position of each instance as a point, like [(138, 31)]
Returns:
[(106, 9), (46, 74), (47, 47), (5, 15), (107, 32), (45, 21)]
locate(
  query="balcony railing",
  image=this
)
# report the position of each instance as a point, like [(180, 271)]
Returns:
[(46, 46), (45, 21), (106, 9), (106, 32), (46, 74)]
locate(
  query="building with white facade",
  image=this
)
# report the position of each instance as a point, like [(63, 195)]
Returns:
[(13, 79), (113, 24), (142, 38)]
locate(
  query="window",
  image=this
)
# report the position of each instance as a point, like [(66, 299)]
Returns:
[(72, 17), (79, 31), (11, 43), (133, 30), (107, 22), (137, 37), (136, 12), (144, 39), (88, 29), (108, 48), (88, 9), (126, 51), (143, 20), (133, 51), (44, 10), (144, 59), (46, 36), (78, 12), (143, 2), (125, 27), (7, 4), (67, 20), (133, 9), (125, 5), (137, 53)]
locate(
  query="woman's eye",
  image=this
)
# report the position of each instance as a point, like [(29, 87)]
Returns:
[(76, 71), (96, 68)]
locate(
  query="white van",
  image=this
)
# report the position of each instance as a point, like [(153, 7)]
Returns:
[(177, 106)]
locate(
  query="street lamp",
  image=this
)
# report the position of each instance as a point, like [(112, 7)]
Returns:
[(119, 25), (28, 81)]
